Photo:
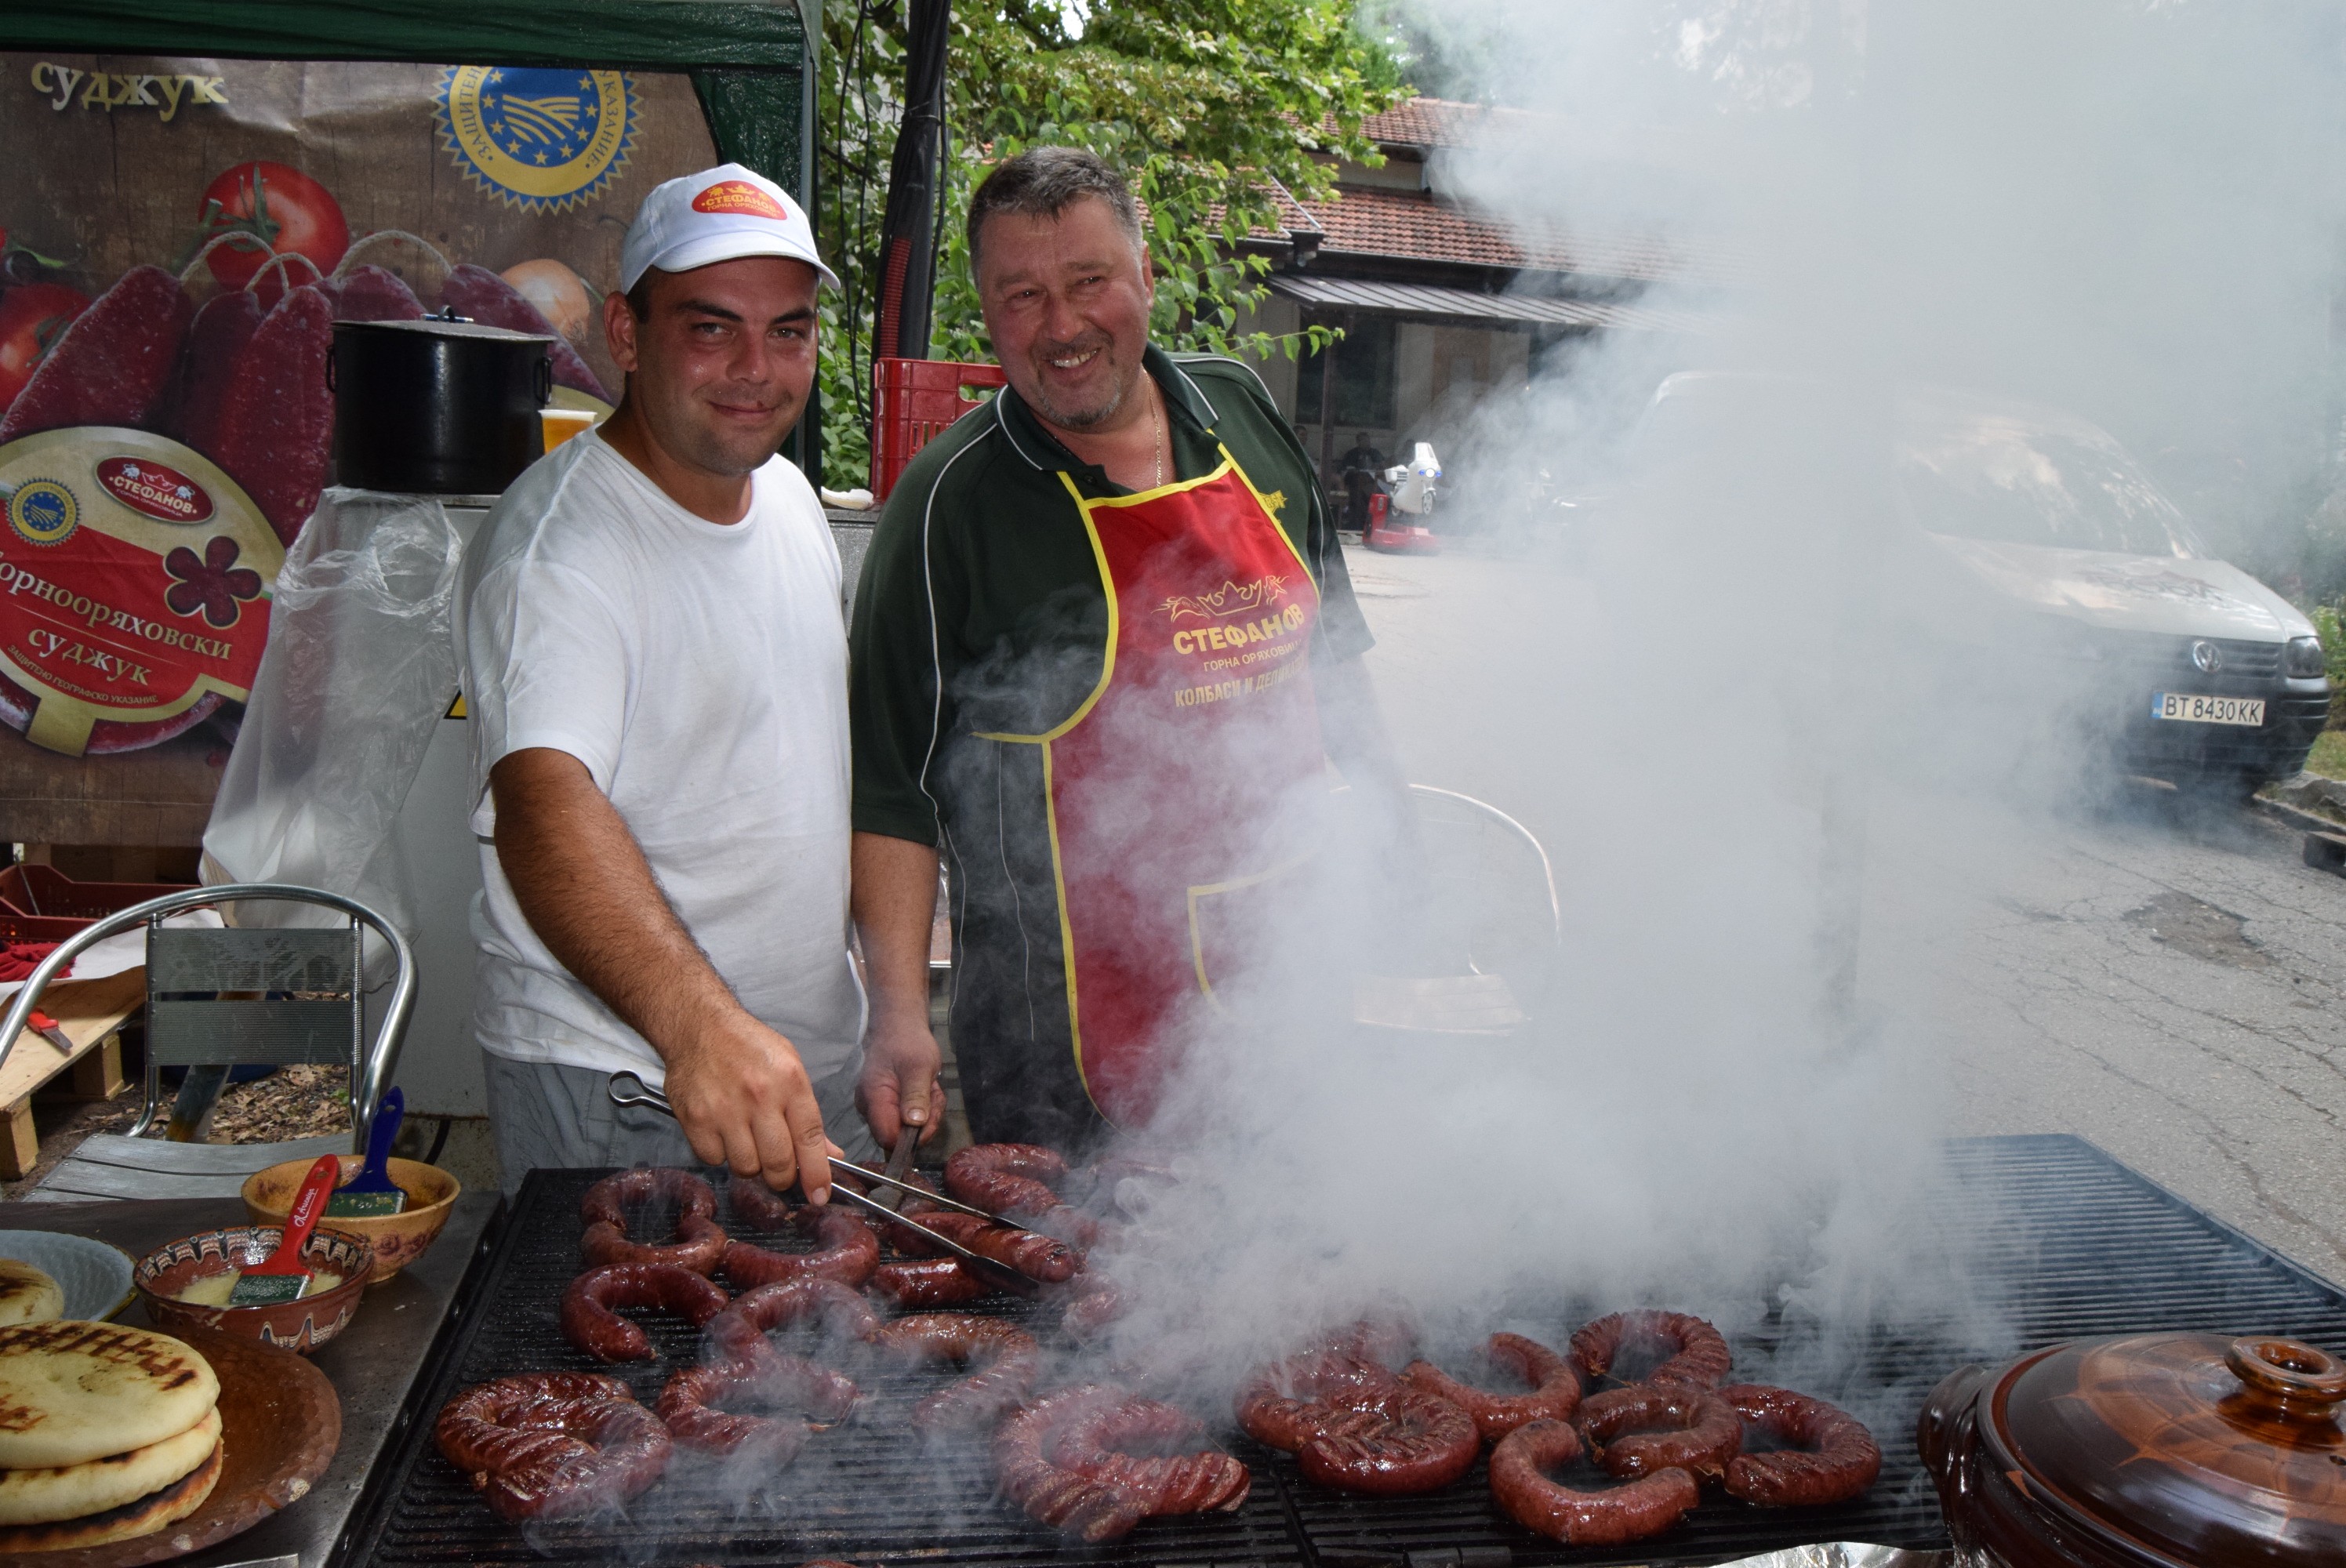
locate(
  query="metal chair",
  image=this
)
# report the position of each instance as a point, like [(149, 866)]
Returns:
[(1494, 888), (293, 995)]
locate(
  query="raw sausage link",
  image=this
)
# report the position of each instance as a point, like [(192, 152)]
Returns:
[(589, 1322), (604, 1206), (1671, 1427), (1088, 1509), (1698, 1351), (1002, 1360), (931, 1282), (1039, 1257), (757, 1313), (1205, 1479), (549, 1445), (114, 364), (687, 1404), (845, 1251), (1842, 1460), (1554, 1386), (1520, 1486)]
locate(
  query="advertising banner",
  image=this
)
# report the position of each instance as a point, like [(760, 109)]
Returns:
[(178, 237)]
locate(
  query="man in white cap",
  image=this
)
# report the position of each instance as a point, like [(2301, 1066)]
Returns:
[(655, 667)]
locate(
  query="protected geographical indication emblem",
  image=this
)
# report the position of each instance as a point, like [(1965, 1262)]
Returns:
[(43, 512), (540, 138)]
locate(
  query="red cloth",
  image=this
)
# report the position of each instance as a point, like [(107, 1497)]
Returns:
[(18, 960)]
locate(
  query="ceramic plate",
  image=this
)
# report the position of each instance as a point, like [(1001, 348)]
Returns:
[(96, 1278)]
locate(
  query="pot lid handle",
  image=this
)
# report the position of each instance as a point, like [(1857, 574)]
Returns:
[(2305, 1382)]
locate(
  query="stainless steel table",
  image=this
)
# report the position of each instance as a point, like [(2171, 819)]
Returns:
[(372, 1363)]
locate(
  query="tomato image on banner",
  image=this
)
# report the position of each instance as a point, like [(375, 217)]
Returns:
[(272, 210), (547, 139)]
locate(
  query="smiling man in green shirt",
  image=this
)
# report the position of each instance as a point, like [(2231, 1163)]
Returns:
[(1105, 650)]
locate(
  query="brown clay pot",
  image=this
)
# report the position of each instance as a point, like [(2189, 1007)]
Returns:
[(2149, 1451)]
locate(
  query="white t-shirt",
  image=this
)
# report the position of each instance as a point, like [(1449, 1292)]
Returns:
[(699, 671)]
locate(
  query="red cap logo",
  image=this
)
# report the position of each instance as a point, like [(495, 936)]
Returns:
[(163, 493), (740, 196)]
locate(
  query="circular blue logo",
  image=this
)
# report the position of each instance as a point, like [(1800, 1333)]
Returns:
[(539, 138), (43, 512)]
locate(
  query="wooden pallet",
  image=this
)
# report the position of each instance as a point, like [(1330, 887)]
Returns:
[(90, 1013)]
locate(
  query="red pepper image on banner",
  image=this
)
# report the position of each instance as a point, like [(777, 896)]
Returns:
[(213, 585)]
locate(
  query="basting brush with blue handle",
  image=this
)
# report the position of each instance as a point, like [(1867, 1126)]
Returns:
[(370, 1194)]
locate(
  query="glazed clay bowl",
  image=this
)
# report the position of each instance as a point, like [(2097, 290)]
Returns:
[(398, 1239), (303, 1324)]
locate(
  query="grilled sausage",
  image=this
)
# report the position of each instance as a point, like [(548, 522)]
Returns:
[(1204, 1480), (1041, 1258), (845, 1250), (1698, 1352), (551, 1445), (1554, 1386), (1002, 1361), (1017, 1181), (1669, 1425), (589, 1320), (754, 1314), (1353, 1425), (1520, 1486), (604, 1206), (931, 1282), (1090, 1304), (689, 1402), (1088, 1509), (1842, 1459)]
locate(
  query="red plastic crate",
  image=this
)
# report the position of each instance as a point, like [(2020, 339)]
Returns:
[(41, 904), (912, 401)]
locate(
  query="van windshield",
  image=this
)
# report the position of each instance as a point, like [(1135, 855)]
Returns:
[(1992, 476)]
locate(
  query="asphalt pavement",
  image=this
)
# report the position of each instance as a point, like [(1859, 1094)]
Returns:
[(2161, 977)]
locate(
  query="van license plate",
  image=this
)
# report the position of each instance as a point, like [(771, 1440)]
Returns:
[(2246, 711)]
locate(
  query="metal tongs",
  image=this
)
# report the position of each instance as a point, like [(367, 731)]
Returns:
[(629, 1088)]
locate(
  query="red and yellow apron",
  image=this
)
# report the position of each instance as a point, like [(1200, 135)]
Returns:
[(1172, 791)]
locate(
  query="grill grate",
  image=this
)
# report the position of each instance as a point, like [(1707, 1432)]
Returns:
[(2070, 1244)]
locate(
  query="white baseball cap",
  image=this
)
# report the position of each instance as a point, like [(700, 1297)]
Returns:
[(718, 215)]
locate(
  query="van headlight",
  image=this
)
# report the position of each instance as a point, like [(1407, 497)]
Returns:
[(2303, 658)]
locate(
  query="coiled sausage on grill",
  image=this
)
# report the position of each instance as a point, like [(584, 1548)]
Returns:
[(1650, 1427), (1002, 1360), (1520, 1487), (845, 1250), (931, 1282), (741, 1327), (1698, 1352), (1083, 1422), (1554, 1386), (604, 1206), (1352, 1424), (1205, 1479), (1017, 1181), (552, 1445), (1040, 1257), (1842, 1459), (588, 1321), (689, 1402)]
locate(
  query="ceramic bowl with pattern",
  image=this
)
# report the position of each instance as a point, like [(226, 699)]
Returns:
[(398, 1239), (303, 1324), (93, 1276)]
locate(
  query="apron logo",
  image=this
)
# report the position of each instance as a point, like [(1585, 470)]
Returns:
[(543, 140), (1230, 599)]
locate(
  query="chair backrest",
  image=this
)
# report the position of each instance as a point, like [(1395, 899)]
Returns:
[(274, 994), (320, 968)]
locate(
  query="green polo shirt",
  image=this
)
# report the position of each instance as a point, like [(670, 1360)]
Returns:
[(980, 607)]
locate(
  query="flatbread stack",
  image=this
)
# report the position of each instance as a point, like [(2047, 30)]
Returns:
[(106, 1432), (27, 1295)]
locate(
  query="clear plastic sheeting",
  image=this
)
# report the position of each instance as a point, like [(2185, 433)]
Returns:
[(360, 666), (1845, 1555)]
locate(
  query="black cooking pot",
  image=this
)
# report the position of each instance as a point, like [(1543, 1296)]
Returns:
[(441, 406)]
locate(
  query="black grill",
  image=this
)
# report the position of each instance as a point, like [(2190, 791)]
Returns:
[(2068, 1243)]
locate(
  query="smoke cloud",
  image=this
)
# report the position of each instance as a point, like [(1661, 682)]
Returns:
[(1720, 708)]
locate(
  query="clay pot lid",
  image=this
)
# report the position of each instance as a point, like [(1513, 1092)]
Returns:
[(2193, 1448)]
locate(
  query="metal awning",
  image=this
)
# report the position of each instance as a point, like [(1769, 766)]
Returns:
[(1433, 302)]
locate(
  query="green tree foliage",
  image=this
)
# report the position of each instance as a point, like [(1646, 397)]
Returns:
[(1201, 102)]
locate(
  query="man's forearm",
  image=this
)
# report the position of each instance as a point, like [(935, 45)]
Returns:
[(583, 886), (894, 904), (1352, 726)]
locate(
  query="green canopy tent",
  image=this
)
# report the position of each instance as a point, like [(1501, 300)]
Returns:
[(751, 62)]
